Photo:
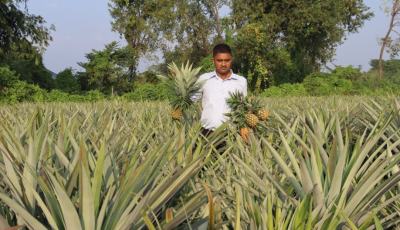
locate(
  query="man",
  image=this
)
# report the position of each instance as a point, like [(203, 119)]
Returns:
[(216, 89)]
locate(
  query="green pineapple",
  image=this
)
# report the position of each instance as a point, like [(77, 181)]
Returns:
[(251, 120), (180, 86)]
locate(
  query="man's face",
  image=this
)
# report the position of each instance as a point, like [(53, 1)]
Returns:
[(222, 62)]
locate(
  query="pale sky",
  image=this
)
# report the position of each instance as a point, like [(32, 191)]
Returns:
[(85, 25)]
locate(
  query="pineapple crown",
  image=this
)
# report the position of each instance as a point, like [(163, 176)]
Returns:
[(181, 84), (241, 106)]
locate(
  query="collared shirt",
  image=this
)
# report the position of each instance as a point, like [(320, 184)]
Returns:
[(214, 92)]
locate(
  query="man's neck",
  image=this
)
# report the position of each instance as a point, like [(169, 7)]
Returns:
[(224, 76)]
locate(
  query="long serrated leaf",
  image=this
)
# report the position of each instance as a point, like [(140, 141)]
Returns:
[(30, 220)]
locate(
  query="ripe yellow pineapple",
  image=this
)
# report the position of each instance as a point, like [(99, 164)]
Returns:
[(251, 120), (176, 113), (244, 132), (263, 114)]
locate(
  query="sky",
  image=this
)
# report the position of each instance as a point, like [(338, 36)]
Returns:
[(83, 25)]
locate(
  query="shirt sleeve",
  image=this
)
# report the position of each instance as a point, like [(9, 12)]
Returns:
[(245, 88), (197, 96)]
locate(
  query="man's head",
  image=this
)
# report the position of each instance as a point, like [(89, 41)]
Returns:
[(222, 58)]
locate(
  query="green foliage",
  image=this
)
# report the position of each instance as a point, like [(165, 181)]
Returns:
[(17, 26), (147, 92), (66, 81), (141, 23), (349, 73), (13, 90), (298, 43), (285, 90), (106, 68), (147, 77), (194, 28), (323, 84), (389, 67), (207, 64), (27, 62), (94, 95), (57, 95)]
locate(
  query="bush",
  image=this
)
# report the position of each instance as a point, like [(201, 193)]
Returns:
[(293, 89), (94, 96), (207, 65), (57, 95), (147, 92), (13, 90), (66, 81), (316, 85), (324, 84), (286, 89), (349, 73), (273, 91)]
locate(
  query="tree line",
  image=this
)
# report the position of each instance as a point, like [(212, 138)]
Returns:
[(273, 42)]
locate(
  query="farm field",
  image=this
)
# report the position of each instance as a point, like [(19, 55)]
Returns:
[(318, 163)]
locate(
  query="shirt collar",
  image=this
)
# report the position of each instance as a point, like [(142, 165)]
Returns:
[(232, 77)]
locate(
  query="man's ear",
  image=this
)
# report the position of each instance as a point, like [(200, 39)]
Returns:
[(213, 60)]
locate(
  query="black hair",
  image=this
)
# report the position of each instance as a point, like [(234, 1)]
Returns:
[(221, 48)]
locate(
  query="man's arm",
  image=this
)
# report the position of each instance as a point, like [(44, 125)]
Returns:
[(245, 88), (197, 96)]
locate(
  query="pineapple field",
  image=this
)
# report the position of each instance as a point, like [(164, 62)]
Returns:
[(314, 163)]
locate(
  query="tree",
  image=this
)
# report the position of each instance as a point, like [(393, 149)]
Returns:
[(66, 81), (308, 31), (216, 5), (197, 28), (19, 27), (194, 26), (141, 22), (390, 67), (393, 45), (107, 69), (26, 61)]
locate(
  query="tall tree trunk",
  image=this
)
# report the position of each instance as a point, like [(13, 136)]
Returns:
[(217, 21), (394, 13)]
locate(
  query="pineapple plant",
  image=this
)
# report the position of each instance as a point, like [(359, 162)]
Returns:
[(246, 113), (180, 85)]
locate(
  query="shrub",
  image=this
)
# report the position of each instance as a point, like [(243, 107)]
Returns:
[(273, 91), (349, 73), (66, 81), (147, 92), (207, 64), (13, 90), (143, 93), (57, 95), (316, 84), (293, 89), (94, 96)]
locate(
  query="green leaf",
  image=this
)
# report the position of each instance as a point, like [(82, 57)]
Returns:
[(30, 220)]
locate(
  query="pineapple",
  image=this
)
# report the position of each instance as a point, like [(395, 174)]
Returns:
[(180, 85), (251, 120), (246, 112), (176, 113), (244, 132), (263, 114)]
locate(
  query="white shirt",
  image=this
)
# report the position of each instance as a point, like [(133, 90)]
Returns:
[(214, 92)]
